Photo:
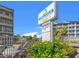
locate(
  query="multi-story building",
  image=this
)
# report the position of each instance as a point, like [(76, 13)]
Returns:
[(72, 29), (6, 25)]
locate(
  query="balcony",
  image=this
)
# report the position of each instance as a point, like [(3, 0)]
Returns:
[(65, 26), (54, 27), (77, 28), (4, 16), (77, 25), (6, 32), (77, 32), (72, 29), (70, 32), (59, 26), (6, 24)]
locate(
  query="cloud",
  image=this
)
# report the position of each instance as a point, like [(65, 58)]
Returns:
[(30, 34), (39, 36)]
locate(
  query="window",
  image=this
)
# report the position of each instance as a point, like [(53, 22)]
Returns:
[(7, 21), (0, 28), (2, 20), (71, 27), (77, 27), (71, 30), (7, 14), (4, 13), (8, 29), (77, 30), (1, 12), (71, 35)]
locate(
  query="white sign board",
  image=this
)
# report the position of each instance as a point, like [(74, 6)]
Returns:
[(46, 27), (47, 14), (46, 32)]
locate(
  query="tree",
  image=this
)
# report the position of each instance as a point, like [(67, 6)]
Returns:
[(35, 38), (29, 37), (59, 33), (24, 36), (17, 38)]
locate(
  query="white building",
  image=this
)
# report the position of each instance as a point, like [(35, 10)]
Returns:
[(72, 29)]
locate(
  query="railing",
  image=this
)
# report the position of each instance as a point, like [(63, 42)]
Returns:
[(22, 48), (77, 28), (71, 25), (6, 24), (5, 46), (8, 17), (70, 32)]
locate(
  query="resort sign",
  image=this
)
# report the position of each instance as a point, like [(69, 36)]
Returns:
[(47, 14), (45, 19)]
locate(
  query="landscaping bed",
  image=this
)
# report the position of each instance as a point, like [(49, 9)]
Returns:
[(47, 49)]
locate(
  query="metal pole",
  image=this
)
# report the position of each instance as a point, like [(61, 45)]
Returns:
[(51, 30)]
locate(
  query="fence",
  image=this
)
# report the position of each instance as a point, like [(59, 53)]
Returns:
[(6, 49)]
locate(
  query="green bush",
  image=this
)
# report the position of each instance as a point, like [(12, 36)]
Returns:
[(55, 49), (40, 49)]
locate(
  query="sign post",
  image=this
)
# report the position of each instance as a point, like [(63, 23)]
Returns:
[(51, 31), (45, 19)]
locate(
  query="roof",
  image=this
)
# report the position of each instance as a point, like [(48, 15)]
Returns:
[(7, 7), (66, 22)]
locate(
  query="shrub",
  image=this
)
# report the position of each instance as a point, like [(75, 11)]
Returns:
[(68, 51), (40, 49), (72, 41), (55, 49)]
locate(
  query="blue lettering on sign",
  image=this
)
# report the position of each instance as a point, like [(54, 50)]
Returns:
[(46, 14)]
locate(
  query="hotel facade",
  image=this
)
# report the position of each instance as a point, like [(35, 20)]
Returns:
[(6, 25), (72, 29)]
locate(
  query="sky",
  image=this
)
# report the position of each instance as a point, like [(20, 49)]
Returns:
[(26, 14)]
